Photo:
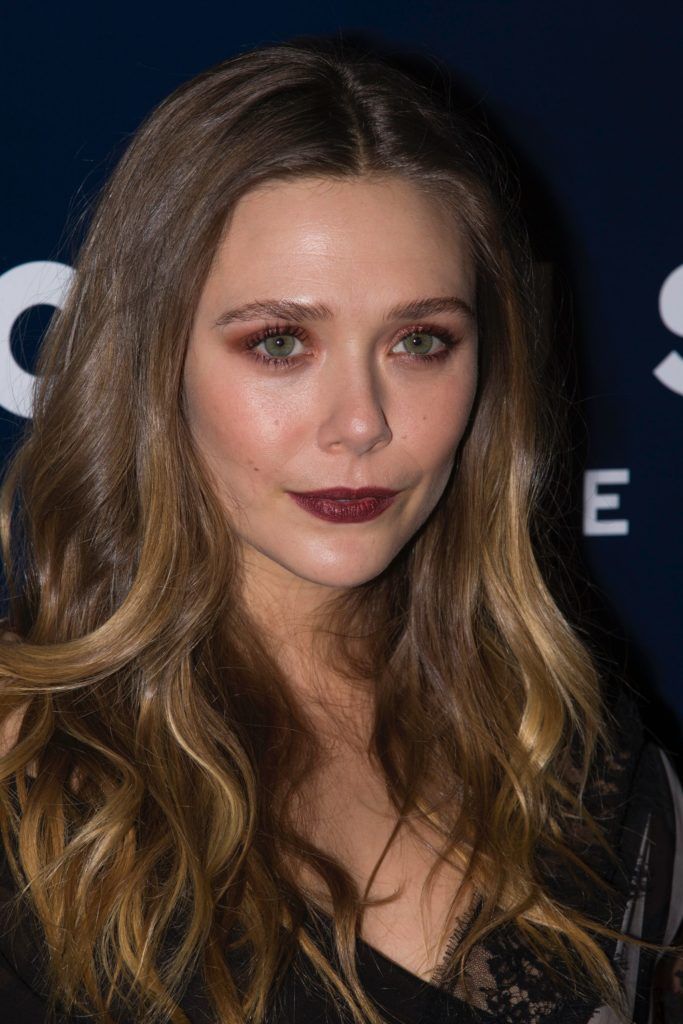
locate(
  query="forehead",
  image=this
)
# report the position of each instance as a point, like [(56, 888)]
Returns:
[(361, 236)]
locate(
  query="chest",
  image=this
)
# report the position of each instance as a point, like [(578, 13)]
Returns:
[(349, 815)]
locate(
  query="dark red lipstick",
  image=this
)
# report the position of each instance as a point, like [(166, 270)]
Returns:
[(346, 504)]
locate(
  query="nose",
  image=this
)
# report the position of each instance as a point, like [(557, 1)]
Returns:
[(351, 407)]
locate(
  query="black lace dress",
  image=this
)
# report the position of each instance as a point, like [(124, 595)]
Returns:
[(639, 801)]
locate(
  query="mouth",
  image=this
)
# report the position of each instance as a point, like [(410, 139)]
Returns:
[(343, 505)]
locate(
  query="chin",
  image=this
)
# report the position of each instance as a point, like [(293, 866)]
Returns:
[(338, 577), (341, 580)]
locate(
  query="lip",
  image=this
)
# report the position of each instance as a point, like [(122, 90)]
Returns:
[(351, 510), (354, 494)]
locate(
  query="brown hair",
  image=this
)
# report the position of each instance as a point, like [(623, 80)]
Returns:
[(137, 667)]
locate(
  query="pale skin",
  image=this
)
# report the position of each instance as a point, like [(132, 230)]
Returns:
[(356, 407)]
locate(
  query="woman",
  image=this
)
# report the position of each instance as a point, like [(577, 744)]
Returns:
[(274, 749)]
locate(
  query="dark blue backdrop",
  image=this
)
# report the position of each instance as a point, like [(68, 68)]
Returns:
[(588, 96)]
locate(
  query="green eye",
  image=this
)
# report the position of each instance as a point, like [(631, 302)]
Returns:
[(279, 344), (418, 342)]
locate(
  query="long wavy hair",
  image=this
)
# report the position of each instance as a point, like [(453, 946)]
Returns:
[(166, 744)]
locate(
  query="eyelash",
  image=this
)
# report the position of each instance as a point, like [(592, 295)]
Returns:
[(442, 333)]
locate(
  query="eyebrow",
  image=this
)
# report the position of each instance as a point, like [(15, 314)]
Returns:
[(287, 309)]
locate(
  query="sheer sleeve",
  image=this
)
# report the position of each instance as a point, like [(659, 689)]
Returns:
[(667, 992), (651, 844)]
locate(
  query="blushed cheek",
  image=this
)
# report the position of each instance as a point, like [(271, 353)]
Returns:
[(241, 437), (443, 454), (435, 428)]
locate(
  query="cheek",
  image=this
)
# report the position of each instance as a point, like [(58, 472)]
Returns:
[(235, 426), (433, 422)]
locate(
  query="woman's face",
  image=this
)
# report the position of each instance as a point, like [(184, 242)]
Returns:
[(369, 395)]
